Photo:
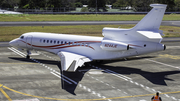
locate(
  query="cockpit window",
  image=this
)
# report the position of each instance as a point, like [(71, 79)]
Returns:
[(21, 37)]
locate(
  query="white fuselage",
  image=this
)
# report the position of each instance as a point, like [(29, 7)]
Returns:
[(83, 45)]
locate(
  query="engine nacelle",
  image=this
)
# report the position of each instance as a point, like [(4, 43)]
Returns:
[(160, 47), (114, 45)]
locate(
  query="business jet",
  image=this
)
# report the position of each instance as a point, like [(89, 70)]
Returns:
[(75, 50)]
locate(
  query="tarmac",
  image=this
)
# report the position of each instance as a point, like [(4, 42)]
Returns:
[(130, 79), (65, 23)]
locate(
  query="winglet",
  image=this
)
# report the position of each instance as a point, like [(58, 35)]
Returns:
[(153, 19), (70, 61)]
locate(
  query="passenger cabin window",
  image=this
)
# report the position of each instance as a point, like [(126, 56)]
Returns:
[(54, 41), (58, 42), (44, 41), (47, 41), (51, 41), (21, 37)]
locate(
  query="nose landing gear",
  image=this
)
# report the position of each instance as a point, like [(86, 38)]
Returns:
[(28, 54)]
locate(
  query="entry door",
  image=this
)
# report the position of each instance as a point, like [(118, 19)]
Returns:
[(29, 41)]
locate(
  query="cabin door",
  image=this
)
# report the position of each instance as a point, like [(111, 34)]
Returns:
[(29, 41)]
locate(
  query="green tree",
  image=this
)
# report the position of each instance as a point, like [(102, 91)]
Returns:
[(170, 3), (32, 3), (84, 2), (120, 3), (55, 3), (110, 2), (177, 3), (9, 3), (100, 4), (78, 4)]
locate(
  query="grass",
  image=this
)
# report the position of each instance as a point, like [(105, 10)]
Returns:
[(40, 17), (9, 33)]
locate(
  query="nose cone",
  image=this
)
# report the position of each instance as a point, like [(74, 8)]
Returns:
[(13, 42)]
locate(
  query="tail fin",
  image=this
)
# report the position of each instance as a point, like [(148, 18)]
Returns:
[(153, 19)]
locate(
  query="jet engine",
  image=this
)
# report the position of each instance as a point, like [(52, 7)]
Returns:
[(110, 45)]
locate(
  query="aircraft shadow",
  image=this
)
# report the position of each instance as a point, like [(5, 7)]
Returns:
[(75, 76), (123, 59), (157, 78)]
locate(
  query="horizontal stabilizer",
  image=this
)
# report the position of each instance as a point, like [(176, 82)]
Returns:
[(70, 61), (150, 34)]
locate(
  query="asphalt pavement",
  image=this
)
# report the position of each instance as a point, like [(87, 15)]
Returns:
[(131, 79), (64, 23)]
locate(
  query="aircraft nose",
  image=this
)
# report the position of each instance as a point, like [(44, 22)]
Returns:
[(13, 42)]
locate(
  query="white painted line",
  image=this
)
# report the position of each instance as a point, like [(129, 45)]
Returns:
[(153, 90), (136, 83), (131, 81), (143, 100), (118, 89), (119, 74), (67, 78), (125, 93), (102, 82), (16, 52), (142, 85), (173, 98), (147, 87), (166, 95), (116, 75), (84, 87), (107, 84), (28, 100), (113, 87), (80, 85), (93, 92), (89, 90), (163, 64), (99, 95), (61, 78)]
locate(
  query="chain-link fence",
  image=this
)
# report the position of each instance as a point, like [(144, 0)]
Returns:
[(86, 10)]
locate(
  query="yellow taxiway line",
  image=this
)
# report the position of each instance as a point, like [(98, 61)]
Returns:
[(9, 99), (75, 99)]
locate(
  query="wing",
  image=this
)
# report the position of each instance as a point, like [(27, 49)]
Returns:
[(70, 61)]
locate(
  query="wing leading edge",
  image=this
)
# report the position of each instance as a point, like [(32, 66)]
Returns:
[(70, 61)]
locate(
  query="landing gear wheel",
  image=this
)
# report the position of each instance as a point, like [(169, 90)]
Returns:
[(27, 57)]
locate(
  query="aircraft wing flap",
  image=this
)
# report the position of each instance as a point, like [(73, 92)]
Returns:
[(70, 61)]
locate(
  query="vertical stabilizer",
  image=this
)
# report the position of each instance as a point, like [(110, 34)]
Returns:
[(153, 19)]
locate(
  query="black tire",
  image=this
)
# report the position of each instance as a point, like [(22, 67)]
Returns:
[(27, 57)]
